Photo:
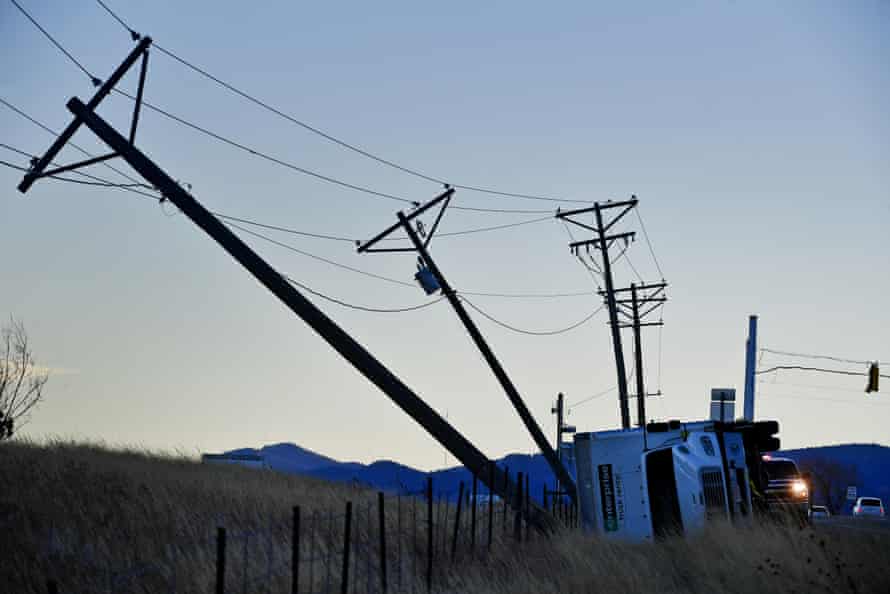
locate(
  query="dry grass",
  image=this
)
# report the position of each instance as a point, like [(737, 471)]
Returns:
[(99, 520)]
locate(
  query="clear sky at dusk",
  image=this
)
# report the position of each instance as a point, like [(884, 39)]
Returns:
[(756, 135)]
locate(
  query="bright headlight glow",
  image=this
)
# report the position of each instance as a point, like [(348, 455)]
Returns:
[(799, 488)]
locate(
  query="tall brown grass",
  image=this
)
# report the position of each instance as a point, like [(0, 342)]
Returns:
[(103, 520)]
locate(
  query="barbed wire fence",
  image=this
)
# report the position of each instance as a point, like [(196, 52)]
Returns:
[(401, 543)]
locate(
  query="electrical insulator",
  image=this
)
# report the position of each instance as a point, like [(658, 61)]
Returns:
[(873, 375)]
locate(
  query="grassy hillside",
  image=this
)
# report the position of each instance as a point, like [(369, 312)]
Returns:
[(99, 520)]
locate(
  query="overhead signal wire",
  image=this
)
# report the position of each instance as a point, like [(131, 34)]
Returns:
[(844, 401), (325, 135), (819, 369), (491, 318), (808, 356), (812, 386)]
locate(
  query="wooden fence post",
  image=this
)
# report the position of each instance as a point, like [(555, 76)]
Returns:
[(506, 494), (490, 502), (220, 560), (382, 521), (527, 504), (473, 514), (517, 503), (460, 500), (347, 533), (295, 552), (429, 534)]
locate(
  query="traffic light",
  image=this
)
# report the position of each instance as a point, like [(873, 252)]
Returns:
[(764, 432), (873, 375)]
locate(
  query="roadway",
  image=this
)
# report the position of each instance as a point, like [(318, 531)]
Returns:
[(871, 525)]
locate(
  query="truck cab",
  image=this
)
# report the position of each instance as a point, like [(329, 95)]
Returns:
[(785, 489), (671, 478)]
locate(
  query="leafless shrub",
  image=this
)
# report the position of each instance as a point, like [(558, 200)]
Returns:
[(21, 380)]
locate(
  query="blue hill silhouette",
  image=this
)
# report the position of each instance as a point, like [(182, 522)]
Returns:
[(867, 464)]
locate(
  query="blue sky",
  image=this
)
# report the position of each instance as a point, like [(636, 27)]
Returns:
[(754, 133)]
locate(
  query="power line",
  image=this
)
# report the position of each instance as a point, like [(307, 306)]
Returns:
[(97, 181), (325, 135), (649, 243), (49, 130), (807, 356), (236, 144), (594, 397), (493, 228), (532, 332), (530, 295), (360, 307), (96, 82), (129, 187), (320, 258), (266, 156)]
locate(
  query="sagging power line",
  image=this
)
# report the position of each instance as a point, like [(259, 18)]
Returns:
[(349, 146)]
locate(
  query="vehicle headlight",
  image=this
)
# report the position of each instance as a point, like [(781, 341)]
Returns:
[(799, 488)]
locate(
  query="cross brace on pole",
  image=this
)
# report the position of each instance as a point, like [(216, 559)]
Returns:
[(550, 455), (342, 342)]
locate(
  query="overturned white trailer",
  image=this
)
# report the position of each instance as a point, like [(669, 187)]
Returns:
[(671, 478)]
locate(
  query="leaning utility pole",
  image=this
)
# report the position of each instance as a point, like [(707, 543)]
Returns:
[(432, 279), (359, 357), (603, 242)]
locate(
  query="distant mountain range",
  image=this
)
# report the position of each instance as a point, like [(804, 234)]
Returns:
[(866, 466)]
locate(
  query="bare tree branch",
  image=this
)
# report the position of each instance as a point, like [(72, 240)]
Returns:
[(21, 381)]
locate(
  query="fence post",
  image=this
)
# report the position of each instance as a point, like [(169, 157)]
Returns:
[(473, 514), (490, 501), (527, 503), (460, 500), (382, 517), (414, 541), (220, 560), (517, 519), (506, 494), (347, 533), (295, 552), (399, 541), (429, 534)]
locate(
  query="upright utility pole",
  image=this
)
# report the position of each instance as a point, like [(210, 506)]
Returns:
[(561, 429), (336, 337), (429, 266), (603, 242), (638, 364), (651, 301)]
